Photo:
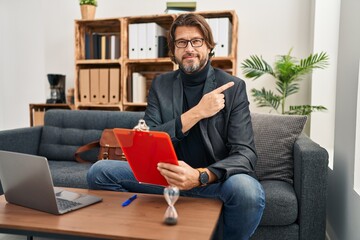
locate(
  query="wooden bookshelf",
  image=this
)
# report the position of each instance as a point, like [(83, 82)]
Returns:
[(148, 67)]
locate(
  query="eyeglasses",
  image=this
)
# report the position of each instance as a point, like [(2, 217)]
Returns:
[(196, 42)]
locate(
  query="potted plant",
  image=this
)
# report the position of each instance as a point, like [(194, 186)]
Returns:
[(287, 72), (88, 8)]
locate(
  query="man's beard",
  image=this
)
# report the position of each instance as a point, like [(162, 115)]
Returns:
[(193, 66)]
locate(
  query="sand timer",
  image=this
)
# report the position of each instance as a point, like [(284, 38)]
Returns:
[(171, 195)]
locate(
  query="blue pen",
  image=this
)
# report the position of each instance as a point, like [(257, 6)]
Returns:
[(128, 201)]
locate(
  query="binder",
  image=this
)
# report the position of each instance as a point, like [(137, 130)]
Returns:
[(114, 46), (103, 47), (133, 41), (94, 85), (39, 118), (108, 47), (163, 49), (114, 87), (153, 32), (214, 25), (144, 150), (142, 38), (96, 46), (138, 88), (84, 85), (104, 85), (88, 48), (224, 33)]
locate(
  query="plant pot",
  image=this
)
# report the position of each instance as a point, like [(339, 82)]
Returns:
[(88, 12)]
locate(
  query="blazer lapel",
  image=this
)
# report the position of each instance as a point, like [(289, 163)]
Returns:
[(210, 85), (177, 100)]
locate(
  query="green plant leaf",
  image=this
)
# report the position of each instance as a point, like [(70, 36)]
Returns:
[(88, 2), (287, 89), (254, 67), (285, 68), (287, 71), (265, 98), (304, 109), (313, 61)]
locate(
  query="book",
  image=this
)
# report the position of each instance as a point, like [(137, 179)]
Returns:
[(84, 85), (179, 7), (224, 37), (153, 32), (133, 41), (114, 85), (138, 88), (163, 49), (104, 85)]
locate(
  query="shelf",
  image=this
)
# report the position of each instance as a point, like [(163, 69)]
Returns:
[(90, 106), (98, 62), (150, 60)]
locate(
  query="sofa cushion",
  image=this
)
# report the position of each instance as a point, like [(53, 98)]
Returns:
[(66, 130), (281, 206), (274, 137), (69, 173)]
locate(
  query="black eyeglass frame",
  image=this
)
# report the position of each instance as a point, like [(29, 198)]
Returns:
[(189, 41)]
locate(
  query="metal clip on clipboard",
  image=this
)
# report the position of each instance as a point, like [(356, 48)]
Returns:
[(141, 126)]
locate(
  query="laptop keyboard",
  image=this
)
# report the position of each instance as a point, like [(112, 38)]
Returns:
[(66, 204)]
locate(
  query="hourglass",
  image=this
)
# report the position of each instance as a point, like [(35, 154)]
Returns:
[(171, 195)]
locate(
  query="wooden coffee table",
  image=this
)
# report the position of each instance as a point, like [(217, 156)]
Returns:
[(142, 219)]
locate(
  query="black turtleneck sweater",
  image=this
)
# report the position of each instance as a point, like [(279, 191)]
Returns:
[(191, 147)]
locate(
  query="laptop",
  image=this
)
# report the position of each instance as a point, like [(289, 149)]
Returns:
[(27, 181), (144, 150)]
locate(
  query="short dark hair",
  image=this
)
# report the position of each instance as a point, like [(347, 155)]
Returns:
[(193, 20)]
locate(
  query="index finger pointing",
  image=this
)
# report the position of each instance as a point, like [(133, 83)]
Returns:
[(223, 87)]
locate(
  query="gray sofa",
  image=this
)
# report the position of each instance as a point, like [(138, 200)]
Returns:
[(291, 167)]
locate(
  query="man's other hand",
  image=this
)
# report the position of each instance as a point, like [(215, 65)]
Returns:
[(212, 102)]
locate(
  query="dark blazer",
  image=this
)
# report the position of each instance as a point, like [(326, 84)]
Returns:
[(228, 135)]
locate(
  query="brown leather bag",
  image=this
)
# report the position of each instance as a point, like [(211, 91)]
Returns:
[(108, 148)]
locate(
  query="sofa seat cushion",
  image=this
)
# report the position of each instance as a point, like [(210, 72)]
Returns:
[(69, 174), (281, 205)]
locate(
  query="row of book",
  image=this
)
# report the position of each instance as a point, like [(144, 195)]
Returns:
[(222, 33), (147, 40), (102, 45), (99, 85)]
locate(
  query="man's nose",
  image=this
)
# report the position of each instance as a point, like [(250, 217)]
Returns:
[(189, 47)]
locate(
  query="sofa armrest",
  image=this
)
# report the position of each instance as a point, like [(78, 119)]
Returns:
[(23, 140), (310, 183)]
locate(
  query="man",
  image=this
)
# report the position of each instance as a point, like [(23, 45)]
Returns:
[(206, 113)]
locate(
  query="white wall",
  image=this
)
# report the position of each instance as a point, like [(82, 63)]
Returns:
[(343, 201), (38, 38), (323, 84), (22, 61)]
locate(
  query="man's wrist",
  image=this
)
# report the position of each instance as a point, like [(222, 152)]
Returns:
[(204, 177)]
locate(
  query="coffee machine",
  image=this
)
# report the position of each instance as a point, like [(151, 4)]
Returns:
[(57, 88)]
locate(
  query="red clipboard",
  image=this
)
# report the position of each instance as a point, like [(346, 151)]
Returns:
[(144, 150)]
